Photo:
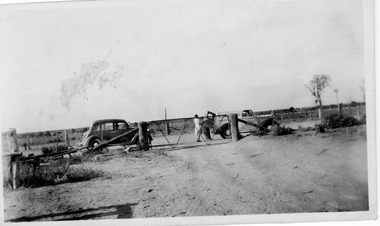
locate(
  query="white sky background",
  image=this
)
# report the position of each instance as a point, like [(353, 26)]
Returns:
[(64, 65)]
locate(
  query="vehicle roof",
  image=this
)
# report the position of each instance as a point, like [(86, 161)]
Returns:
[(232, 112), (109, 120)]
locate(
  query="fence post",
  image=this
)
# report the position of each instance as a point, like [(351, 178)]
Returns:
[(12, 141), (30, 142), (167, 127), (14, 158), (56, 139), (234, 127), (357, 111), (67, 140), (143, 136)]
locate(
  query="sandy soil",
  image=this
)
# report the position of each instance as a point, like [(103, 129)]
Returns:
[(301, 172)]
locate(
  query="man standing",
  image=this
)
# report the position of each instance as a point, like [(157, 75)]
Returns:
[(198, 128)]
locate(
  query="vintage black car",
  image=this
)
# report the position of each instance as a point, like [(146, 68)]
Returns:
[(106, 129)]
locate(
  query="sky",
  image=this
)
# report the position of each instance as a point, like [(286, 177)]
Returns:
[(64, 65)]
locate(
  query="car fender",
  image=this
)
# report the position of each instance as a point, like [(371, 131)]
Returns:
[(88, 139), (221, 128)]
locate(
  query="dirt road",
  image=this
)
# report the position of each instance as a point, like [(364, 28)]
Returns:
[(302, 172)]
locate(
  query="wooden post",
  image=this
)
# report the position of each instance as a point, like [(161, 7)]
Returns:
[(340, 108), (167, 128), (15, 171), (30, 142), (143, 136), (12, 141), (67, 140), (15, 158), (234, 127), (56, 138)]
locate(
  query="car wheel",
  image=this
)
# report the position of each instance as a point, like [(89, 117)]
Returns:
[(225, 132), (94, 142)]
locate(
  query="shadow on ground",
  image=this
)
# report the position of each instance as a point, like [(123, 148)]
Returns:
[(121, 212)]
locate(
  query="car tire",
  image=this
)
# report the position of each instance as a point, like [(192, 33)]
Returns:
[(225, 132), (94, 142)]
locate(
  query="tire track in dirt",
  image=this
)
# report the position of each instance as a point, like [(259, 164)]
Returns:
[(277, 175)]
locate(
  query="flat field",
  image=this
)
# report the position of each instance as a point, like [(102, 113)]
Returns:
[(300, 172)]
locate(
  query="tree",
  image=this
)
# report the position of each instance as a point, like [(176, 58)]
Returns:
[(316, 87), (40, 134), (47, 133)]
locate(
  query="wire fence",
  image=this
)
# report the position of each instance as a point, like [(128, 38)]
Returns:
[(182, 132), (358, 111)]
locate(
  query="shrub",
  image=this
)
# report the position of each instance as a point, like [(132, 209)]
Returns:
[(53, 149), (57, 172), (277, 130), (33, 174), (319, 128), (83, 174), (46, 150), (76, 159), (340, 120), (62, 148)]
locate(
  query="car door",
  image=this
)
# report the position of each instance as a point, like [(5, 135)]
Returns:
[(108, 130), (96, 130), (121, 128)]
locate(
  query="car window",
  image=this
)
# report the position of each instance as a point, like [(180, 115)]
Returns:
[(96, 127), (121, 125), (247, 113), (108, 126)]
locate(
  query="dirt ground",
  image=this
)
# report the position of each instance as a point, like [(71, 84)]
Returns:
[(301, 172)]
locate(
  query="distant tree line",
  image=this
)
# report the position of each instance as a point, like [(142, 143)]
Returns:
[(49, 133), (306, 109)]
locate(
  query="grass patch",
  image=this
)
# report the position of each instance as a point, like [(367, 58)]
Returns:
[(75, 159), (55, 172), (340, 120), (78, 174), (53, 149)]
